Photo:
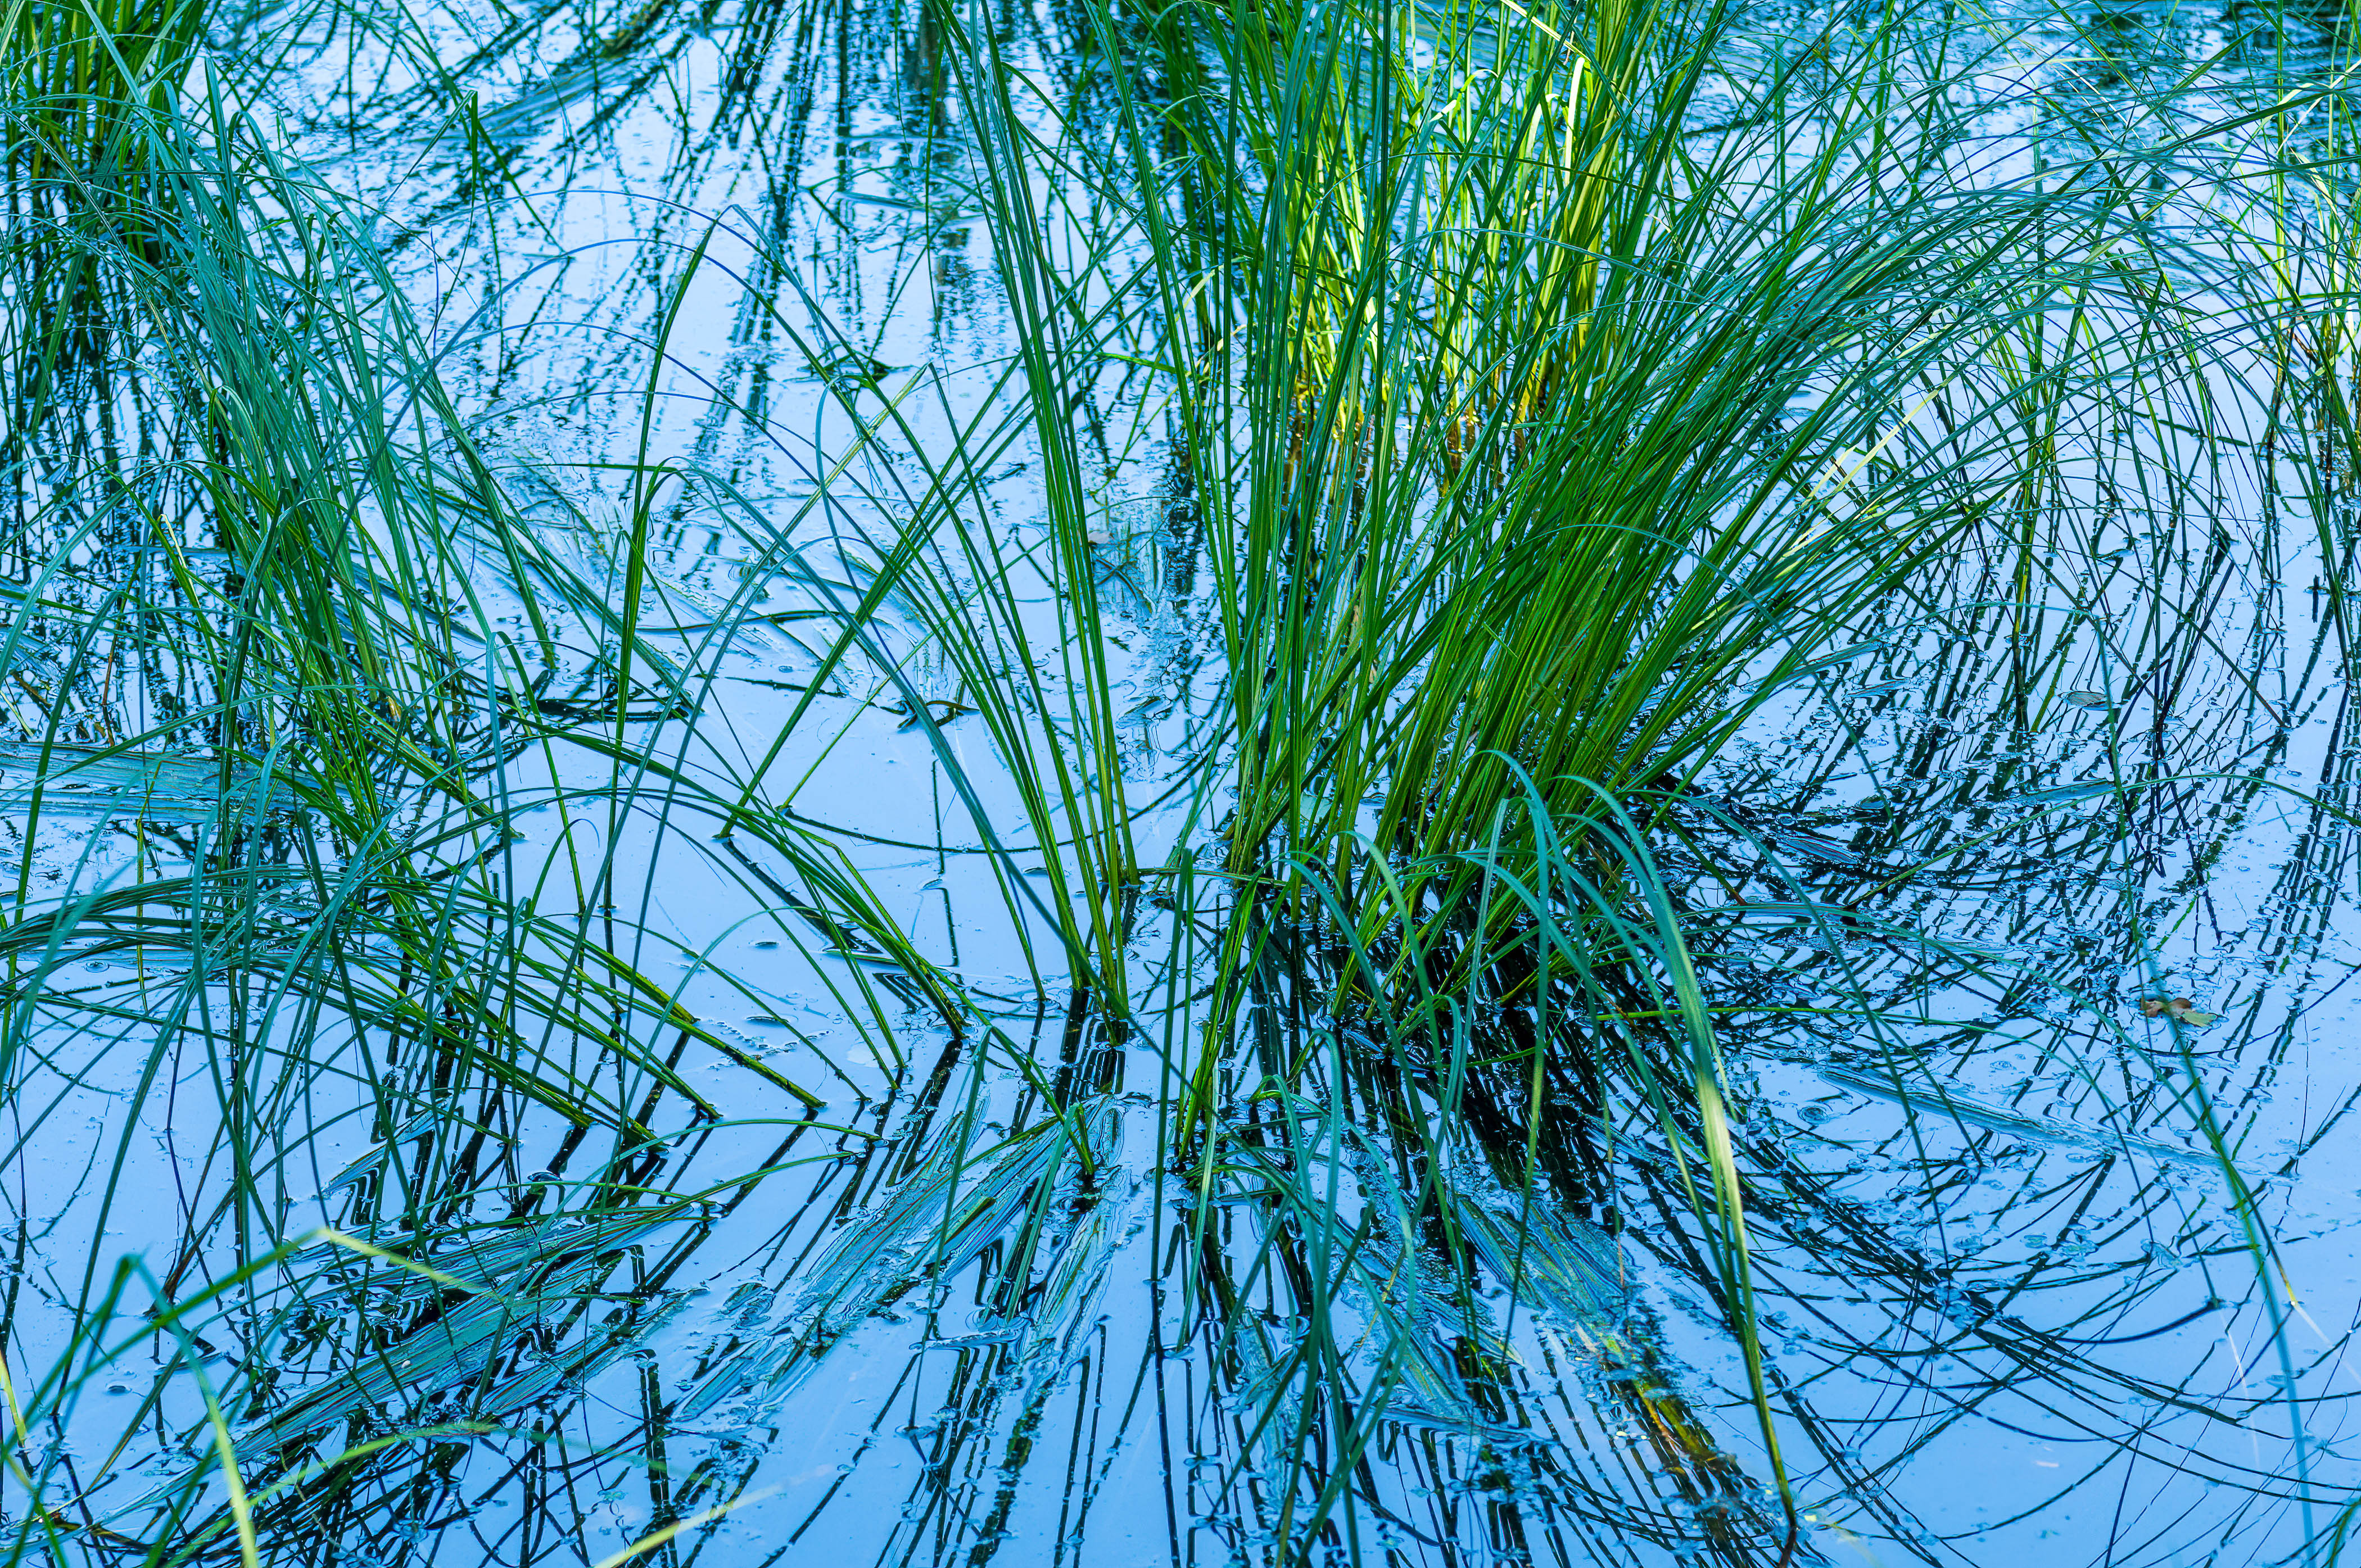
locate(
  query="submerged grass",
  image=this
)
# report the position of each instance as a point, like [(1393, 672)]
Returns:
[(1630, 638)]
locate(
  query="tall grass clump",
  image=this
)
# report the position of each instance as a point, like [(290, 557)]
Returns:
[(1528, 431), (297, 676), (1545, 398), (82, 86)]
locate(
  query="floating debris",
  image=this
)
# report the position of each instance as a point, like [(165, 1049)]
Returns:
[(2178, 1008)]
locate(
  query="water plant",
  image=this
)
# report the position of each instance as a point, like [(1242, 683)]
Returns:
[(1512, 841)]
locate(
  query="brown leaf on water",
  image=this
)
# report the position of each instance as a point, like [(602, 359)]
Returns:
[(2178, 1008)]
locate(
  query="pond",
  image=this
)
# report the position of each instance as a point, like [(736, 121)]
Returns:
[(946, 784)]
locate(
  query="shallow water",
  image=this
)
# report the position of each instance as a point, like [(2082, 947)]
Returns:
[(962, 1299)]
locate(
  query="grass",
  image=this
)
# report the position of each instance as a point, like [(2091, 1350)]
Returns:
[(1580, 662)]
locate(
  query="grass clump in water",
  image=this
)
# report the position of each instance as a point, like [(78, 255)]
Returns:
[(1590, 724)]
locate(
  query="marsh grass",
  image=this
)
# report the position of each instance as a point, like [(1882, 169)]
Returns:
[(1670, 595), (285, 591)]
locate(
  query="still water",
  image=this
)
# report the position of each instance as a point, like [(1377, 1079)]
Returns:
[(612, 1194)]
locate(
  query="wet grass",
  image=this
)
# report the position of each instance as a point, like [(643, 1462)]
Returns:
[(1508, 821)]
